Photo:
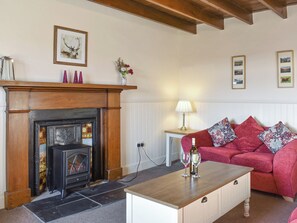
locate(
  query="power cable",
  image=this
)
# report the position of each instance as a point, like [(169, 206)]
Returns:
[(136, 174), (139, 161), (151, 159)]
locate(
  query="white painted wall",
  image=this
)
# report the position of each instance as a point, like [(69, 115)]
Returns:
[(150, 48), (205, 73)]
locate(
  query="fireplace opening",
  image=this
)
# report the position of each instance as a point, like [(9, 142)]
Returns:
[(59, 139)]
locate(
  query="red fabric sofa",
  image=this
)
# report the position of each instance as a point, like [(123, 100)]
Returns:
[(273, 173), (293, 217)]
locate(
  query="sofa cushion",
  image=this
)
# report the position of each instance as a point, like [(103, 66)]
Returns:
[(221, 133), (276, 137), (259, 161), (263, 149), (230, 145), (223, 155), (247, 135)]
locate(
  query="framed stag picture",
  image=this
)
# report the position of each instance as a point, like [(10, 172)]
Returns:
[(238, 72), (70, 46), (285, 68)]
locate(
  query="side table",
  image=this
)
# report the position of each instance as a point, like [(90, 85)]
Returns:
[(174, 133)]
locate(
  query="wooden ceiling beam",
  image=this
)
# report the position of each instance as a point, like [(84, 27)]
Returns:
[(277, 6), (230, 9), (187, 10), (150, 13)]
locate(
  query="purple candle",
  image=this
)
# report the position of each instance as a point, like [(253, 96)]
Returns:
[(65, 79), (75, 79), (80, 80)]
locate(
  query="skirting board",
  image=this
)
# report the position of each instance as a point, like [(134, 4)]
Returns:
[(143, 165), (2, 201)]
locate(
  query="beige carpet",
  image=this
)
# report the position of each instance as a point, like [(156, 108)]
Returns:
[(264, 208)]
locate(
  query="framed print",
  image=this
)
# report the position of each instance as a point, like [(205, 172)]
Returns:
[(70, 46), (285, 68), (238, 72)]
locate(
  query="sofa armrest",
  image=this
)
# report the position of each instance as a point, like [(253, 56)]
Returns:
[(285, 169), (202, 139)]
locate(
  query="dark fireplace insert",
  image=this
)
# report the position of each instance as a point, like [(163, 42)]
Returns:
[(65, 149)]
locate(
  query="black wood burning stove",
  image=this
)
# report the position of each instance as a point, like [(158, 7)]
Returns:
[(69, 166)]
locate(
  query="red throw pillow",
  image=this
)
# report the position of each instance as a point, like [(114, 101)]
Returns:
[(247, 135)]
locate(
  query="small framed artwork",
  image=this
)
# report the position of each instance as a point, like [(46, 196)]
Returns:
[(70, 46), (285, 68), (238, 72)]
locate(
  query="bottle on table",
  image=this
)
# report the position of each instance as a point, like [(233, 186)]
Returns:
[(193, 153)]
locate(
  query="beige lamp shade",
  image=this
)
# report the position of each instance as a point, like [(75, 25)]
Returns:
[(183, 106)]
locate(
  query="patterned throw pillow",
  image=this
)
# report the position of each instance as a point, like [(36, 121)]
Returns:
[(222, 133), (276, 137)]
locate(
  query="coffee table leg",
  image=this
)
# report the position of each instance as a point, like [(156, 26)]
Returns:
[(246, 208)]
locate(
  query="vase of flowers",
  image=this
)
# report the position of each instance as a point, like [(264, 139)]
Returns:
[(124, 70)]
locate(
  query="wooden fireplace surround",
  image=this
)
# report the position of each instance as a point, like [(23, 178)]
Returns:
[(23, 97)]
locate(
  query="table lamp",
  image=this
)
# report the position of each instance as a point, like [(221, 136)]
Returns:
[(183, 107)]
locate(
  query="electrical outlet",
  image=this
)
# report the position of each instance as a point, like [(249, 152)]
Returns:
[(142, 144), (138, 145)]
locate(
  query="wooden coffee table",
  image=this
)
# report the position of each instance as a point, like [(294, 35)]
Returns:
[(175, 199)]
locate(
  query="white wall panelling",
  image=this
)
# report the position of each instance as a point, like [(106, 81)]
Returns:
[(146, 122), (267, 114)]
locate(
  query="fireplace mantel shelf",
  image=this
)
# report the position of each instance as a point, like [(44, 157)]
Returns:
[(52, 85)]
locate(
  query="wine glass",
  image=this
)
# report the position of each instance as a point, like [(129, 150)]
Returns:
[(196, 160), (185, 160)]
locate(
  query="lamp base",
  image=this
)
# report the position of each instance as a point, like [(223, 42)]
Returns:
[(183, 128)]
